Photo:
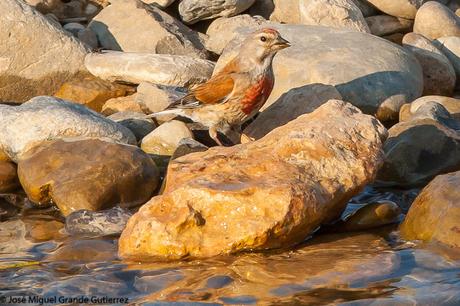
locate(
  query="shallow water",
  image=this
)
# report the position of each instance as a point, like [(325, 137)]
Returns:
[(360, 268)]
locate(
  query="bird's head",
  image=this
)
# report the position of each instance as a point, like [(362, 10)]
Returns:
[(264, 44)]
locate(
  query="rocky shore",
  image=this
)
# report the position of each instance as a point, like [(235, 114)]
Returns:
[(368, 95)]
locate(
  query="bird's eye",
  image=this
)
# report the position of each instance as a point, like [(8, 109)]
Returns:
[(263, 39)]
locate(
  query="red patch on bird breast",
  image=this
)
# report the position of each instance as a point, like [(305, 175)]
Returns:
[(256, 95)]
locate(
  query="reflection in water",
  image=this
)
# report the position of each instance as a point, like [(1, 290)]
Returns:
[(359, 268)]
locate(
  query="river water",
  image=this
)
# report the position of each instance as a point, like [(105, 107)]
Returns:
[(37, 260)]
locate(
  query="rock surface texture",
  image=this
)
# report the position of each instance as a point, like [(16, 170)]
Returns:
[(192, 11), (39, 67), (373, 74), (265, 194), (435, 212), (452, 105), (87, 174), (435, 20), (47, 118)]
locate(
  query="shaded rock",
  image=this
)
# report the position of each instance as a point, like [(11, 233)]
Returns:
[(222, 30), (341, 14), (418, 150), (435, 20), (452, 105), (73, 28), (165, 139), (132, 26), (398, 8), (395, 38), (122, 104), (289, 106), (90, 250), (154, 98), (435, 212), (24, 74), (47, 118), (87, 174), (95, 224), (262, 8), (438, 73), (161, 3), (7, 210), (44, 230), (265, 194), (371, 215), (192, 11), (187, 146), (91, 92), (136, 122), (366, 8), (162, 69), (450, 46), (373, 74), (382, 25), (88, 37), (8, 177)]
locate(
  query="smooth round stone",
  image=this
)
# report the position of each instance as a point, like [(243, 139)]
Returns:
[(450, 46), (371, 216), (435, 20), (165, 139)]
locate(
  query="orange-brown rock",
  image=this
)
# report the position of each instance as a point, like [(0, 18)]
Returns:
[(435, 213), (87, 174), (8, 177), (121, 104), (91, 92), (270, 193)]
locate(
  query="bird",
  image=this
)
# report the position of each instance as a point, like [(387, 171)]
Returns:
[(236, 93)]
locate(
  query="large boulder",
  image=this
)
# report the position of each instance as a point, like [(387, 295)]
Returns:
[(162, 69), (450, 46), (87, 174), (438, 73), (400, 8), (36, 57), (421, 148), (270, 193), (133, 26), (435, 213), (435, 20), (341, 14), (192, 11), (373, 74), (46, 118), (452, 105)]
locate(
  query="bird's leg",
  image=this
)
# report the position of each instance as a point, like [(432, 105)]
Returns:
[(213, 134)]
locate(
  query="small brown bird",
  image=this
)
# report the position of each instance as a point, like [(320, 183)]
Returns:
[(237, 92)]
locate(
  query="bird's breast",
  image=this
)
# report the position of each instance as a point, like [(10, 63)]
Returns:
[(256, 95)]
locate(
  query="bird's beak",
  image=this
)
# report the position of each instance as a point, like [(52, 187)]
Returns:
[(282, 43)]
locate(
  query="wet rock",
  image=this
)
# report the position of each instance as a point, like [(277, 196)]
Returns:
[(222, 30), (154, 98), (262, 8), (136, 122), (371, 216), (289, 106), (372, 74), (24, 74), (91, 92), (286, 11), (398, 8), (452, 105), (132, 26), (84, 251), (341, 14), (13, 237), (418, 150), (162, 69), (165, 139), (87, 174), (44, 230), (122, 104), (8, 177), (450, 46), (95, 224), (435, 212), (435, 20), (382, 25), (192, 11), (438, 73), (47, 118), (188, 146), (265, 194)]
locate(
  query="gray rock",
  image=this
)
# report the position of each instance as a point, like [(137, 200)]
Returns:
[(162, 69), (192, 11), (36, 57), (438, 73), (435, 20), (136, 122), (373, 74), (188, 146), (382, 25), (47, 118), (419, 149), (450, 46), (132, 26), (94, 224), (341, 14), (366, 8), (154, 98), (262, 8)]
